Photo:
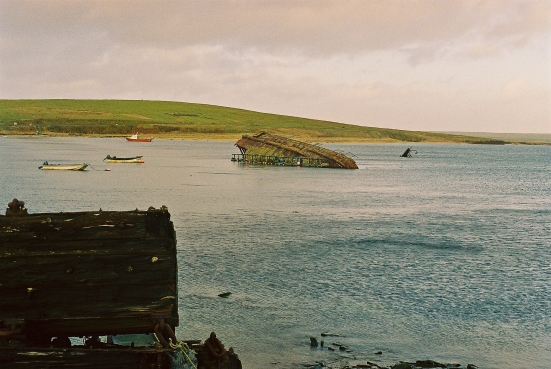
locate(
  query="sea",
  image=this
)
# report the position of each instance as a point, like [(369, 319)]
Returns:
[(443, 256)]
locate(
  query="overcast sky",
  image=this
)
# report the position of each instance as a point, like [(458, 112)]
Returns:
[(438, 65)]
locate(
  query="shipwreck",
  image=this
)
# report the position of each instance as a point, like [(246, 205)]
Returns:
[(90, 275), (267, 149)]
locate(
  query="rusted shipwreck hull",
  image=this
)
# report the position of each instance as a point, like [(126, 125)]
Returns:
[(85, 274), (265, 148)]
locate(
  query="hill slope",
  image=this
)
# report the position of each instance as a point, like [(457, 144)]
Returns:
[(165, 119)]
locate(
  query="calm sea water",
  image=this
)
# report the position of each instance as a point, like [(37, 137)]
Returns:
[(443, 256)]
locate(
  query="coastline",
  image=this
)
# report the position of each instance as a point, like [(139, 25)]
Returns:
[(218, 137), (191, 121)]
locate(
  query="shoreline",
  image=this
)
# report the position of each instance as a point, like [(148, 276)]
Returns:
[(234, 138), (345, 363), (173, 120)]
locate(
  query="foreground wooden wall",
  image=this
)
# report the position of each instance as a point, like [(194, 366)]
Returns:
[(88, 273)]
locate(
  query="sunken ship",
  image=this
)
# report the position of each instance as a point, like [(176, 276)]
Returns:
[(268, 149), (88, 275)]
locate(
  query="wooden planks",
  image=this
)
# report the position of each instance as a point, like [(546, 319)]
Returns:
[(120, 358), (88, 273), (265, 143)]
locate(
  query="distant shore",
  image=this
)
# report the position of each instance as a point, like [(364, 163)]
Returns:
[(190, 121), (511, 139)]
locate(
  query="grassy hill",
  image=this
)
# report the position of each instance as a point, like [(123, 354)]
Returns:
[(179, 120)]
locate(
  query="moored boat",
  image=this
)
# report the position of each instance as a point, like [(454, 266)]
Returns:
[(133, 159), (78, 167), (135, 138)]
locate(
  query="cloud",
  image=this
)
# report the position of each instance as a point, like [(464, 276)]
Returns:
[(309, 27), (401, 64), (482, 50), (516, 88)]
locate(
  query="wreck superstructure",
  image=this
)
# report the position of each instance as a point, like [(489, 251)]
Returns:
[(266, 148)]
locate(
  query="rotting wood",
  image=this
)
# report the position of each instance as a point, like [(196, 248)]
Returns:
[(268, 145), (88, 273), (84, 358)]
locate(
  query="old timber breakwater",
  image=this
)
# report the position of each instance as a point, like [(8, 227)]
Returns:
[(267, 149), (93, 290)]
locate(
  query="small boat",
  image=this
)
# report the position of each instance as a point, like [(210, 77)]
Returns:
[(133, 159), (134, 138), (48, 166)]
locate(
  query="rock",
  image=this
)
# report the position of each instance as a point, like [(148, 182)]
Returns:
[(428, 364), (225, 294), (331, 348), (378, 353), (313, 342), (403, 365), (318, 365), (472, 366), (373, 365)]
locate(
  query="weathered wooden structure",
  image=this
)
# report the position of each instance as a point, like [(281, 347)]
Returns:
[(85, 274), (265, 148)]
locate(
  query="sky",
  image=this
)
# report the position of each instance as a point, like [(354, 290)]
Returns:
[(424, 65)]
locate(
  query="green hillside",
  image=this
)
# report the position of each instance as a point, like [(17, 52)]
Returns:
[(179, 120)]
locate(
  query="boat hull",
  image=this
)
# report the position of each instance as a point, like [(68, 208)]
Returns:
[(135, 138), (268, 149), (125, 161), (76, 167), (131, 139)]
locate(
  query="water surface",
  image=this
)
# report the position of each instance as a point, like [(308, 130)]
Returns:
[(442, 256)]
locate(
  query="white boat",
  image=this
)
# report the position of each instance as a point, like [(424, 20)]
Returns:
[(48, 166), (133, 159)]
